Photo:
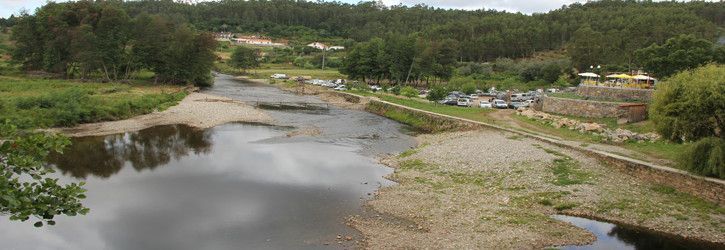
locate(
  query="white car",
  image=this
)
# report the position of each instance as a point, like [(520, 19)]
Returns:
[(464, 102), (485, 104), (500, 104), (341, 88), (280, 76), (376, 88)]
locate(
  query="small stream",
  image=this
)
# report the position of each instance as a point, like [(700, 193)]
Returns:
[(612, 236), (234, 186)]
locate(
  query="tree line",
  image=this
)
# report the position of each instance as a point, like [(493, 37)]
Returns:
[(401, 59), (89, 39), (596, 33)]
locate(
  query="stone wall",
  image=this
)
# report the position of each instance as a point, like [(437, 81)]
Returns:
[(610, 93), (583, 108)]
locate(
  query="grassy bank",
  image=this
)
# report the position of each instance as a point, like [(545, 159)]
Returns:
[(659, 150), (667, 151), (476, 114), (42, 103)]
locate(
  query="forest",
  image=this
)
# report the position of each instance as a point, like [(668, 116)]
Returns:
[(87, 40), (429, 42), (624, 26)]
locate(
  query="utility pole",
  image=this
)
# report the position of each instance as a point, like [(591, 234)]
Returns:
[(324, 52)]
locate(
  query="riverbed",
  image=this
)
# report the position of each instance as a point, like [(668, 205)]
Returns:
[(238, 185)]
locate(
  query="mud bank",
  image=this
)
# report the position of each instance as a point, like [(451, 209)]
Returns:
[(197, 110)]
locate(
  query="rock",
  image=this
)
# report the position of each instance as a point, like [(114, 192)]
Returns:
[(339, 236), (591, 127), (348, 238)]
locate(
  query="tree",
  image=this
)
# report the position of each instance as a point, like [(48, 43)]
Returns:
[(691, 105), (99, 37), (245, 58), (678, 53), (705, 157), (436, 93), (25, 190)]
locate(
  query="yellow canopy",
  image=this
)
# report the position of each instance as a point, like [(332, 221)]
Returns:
[(620, 76)]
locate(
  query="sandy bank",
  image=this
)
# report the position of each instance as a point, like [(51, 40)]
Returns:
[(197, 110), (487, 189)]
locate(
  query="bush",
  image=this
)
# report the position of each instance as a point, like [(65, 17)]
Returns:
[(468, 88), (705, 157), (395, 90), (409, 91), (436, 93), (691, 104)]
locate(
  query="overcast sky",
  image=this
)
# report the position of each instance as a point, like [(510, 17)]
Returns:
[(8, 7)]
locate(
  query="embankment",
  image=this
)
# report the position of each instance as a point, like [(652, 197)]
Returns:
[(707, 188)]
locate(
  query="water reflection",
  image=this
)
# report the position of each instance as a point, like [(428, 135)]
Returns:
[(611, 236), (229, 187), (104, 156)]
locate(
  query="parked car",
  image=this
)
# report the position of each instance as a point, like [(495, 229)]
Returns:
[(449, 101), (485, 104), (463, 102), (516, 105), (279, 76), (341, 87), (376, 88), (473, 96), (500, 104)]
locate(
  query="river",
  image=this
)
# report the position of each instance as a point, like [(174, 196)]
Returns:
[(235, 186)]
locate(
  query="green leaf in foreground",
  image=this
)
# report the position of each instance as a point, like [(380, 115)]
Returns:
[(25, 191)]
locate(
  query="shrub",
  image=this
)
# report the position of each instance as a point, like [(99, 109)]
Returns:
[(395, 90), (468, 88), (691, 105), (409, 91), (436, 93), (705, 157)]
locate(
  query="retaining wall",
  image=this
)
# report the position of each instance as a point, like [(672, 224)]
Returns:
[(611, 93), (583, 108)]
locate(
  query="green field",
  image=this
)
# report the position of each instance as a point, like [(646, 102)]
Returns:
[(42, 103)]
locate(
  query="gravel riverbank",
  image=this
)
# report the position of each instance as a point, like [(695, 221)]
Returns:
[(490, 189), (197, 110)]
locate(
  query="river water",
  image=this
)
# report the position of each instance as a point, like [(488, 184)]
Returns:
[(235, 186)]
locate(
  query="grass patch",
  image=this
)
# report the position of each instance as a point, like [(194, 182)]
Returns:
[(566, 170), (407, 153), (515, 137), (416, 165), (565, 206), (41, 103), (688, 200)]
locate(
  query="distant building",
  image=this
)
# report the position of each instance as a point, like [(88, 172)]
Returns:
[(318, 45), (223, 36), (255, 40), (322, 46)]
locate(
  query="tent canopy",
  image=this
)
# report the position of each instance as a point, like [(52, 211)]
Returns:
[(644, 77), (620, 76), (588, 74)]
